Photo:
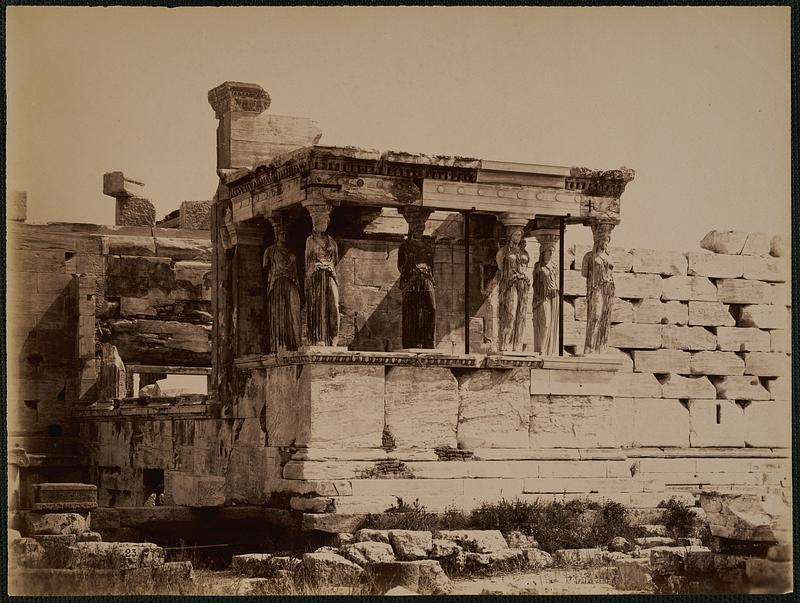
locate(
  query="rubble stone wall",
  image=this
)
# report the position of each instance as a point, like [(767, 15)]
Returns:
[(72, 287)]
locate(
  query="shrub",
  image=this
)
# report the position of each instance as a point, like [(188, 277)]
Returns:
[(680, 520)]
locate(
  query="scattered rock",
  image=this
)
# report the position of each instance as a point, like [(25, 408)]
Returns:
[(331, 569), (364, 553), (410, 545), (495, 561), (477, 541), (724, 241), (57, 523), (252, 565), (649, 542), (750, 517), (620, 544), (425, 577), (365, 535), (344, 538), (150, 391), (117, 555), (538, 559), (444, 548), (633, 574), (578, 556)]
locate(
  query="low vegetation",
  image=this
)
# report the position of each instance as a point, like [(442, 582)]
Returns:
[(554, 525), (680, 520)]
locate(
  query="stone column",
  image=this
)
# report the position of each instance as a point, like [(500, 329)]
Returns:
[(321, 281), (415, 263), (235, 103), (545, 306), (598, 270), (513, 261)]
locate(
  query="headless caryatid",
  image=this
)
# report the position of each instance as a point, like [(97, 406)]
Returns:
[(415, 262), (322, 289), (512, 262), (545, 297), (283, 294), (598, 269)]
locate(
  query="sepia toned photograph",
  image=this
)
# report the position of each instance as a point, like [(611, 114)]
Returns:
[(398, 300)]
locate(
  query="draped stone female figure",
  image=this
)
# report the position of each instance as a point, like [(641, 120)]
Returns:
[(512, 260), (415, 262), (322, 289), (283, 295), (545, 299), (598, 269)]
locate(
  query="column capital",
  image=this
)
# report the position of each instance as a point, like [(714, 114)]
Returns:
[(239, 97)]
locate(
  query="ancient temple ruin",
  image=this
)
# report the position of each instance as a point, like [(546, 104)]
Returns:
[(394, 325)]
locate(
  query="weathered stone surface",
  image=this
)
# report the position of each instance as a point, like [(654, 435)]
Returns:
[(621, 310), (724, 241), (51, 540), (444, 548), (367, 535), (743, 291), (648, 542), (717, 265), (716, 423), (638, 385), (637, 286), (410, 545), (620, 545), (654, 311), (331, 569), (742, 339), (183, 249), (757, 243), (425, 577), (365, 553), (192, 490), (252, 565), (766, 364), (571, 421), (678, 386), (537, 559), (740, 388), (476, 541), (115, 184), (774, 270), (496, 561), (653, 261), (780, 388), (570, 383), (90, 537), (56, 523), (687, 338), (135, 211), (750, 517), (195, 215), (162, 342), (688, 288), (113, 555), (644, 422), (661, 361), (577, 556), (780, 552), (635, 336), (768, 424), (779, 341), (331, 522), (777, 247), (26, 552), (494, 409), (411, 419), (716, 363), (763, 317), (620, 257), (710, 314), (64, 497), (633, 574), (346, 406), (520, 540)]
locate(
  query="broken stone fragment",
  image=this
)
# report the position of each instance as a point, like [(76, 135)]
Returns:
[(367, 535), (410, 545), (425, 577), (56, 523), (115, 184), (724, 241), (331, 569), (365, 553), (476, 541)]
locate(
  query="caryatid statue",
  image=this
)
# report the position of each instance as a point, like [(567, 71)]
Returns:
[(598, 269), (322, 288), (512, 261), (283, 293), (546, 296), (415, 262)]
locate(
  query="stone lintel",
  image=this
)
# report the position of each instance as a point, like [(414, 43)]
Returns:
[(116, 185)]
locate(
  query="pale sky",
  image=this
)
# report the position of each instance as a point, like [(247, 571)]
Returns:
[(696, 100)]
